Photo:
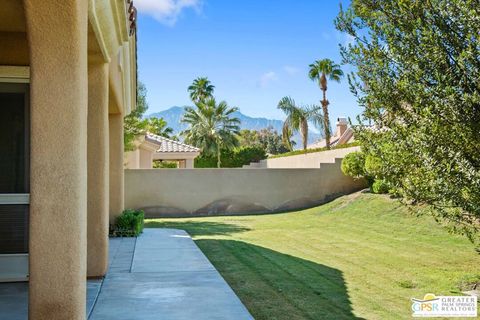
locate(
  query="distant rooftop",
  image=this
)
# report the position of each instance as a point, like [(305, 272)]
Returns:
[(343, 135), (169, 145)]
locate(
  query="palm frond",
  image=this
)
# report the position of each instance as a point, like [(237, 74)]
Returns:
[(315, 116), (201, 89), (211, 126), (327, 68)]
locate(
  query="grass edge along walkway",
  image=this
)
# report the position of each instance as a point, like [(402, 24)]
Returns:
[(360, 256)]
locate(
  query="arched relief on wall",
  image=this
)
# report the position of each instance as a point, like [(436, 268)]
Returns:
[(233, 206), (204, 192)]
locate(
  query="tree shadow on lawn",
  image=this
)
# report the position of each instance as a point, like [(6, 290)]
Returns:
[(273, 285), (198, 228)]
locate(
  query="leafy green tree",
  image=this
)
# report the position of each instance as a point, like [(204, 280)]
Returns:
[(134, 125), (268, 139), (211, 127), (320, 70), (298, 118), (159, 127), (249, 138), (417, 77), (200, 90), (272, 142), (353, 165)]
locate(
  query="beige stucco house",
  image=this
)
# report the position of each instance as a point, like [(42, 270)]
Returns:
[(343, 134), (151, 147), (67, 79)]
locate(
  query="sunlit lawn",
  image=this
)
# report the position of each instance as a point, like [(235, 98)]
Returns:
[(361, 256)]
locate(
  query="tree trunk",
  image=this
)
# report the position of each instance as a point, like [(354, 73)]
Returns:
[(326, 119), (304, 132), (219, 162)]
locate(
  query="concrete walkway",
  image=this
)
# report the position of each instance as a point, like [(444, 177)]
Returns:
[(14, 299), (163, 275), (160, 275)]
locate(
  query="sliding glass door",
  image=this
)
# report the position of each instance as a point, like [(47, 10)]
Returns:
[(14, 181)]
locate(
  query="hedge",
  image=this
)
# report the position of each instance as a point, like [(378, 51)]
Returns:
[(297, 152), (235, 158)]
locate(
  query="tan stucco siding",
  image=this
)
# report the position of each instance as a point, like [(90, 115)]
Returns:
[(57, 36), (98, 170), (146, 159), (132, 159), (116, 176), (116, 88)]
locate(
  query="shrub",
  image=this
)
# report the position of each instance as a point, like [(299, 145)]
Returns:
[(210, 161), (245, 155), (129, 223), (374, 166), (380, 186), (297, 152), (232, 158), (165, 164), (353, 165)]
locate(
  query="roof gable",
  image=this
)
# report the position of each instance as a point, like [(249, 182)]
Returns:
[(169, 145)]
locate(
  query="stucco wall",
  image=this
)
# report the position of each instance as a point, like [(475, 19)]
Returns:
[(132, 159), (146, 158), (309, 160), (170, 192)]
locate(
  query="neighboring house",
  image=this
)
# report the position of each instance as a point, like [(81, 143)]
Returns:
[(156, 148), (67, 80), (343, 135)]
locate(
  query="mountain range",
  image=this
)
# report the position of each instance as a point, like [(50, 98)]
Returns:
[(173, 116)]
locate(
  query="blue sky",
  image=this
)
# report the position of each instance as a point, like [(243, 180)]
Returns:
[(254, 51)]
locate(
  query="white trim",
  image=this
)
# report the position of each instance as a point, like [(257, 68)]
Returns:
[(14, 198), (14, 74)]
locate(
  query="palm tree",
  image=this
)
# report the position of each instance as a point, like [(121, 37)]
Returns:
[(200, 90), (212, 127), (298, 118), (287, 134), (320, 70)]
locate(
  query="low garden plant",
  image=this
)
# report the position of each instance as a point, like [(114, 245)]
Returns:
[(129, 224), (358, 165)]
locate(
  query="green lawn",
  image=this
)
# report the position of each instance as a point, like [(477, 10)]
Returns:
[(360, 256)]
